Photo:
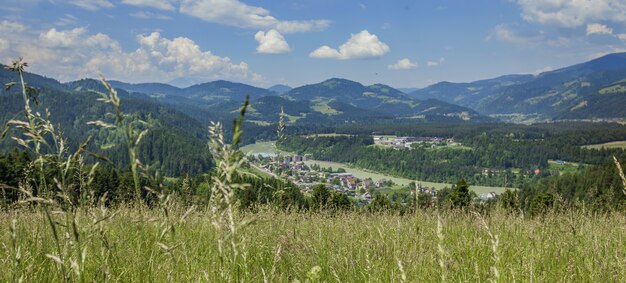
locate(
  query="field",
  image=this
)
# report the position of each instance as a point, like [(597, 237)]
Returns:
[(311, 247), (614, 144), (564, 167)]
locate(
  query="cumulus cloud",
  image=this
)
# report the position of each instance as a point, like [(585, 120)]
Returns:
[(360, 45), (91, 5), (403, 64), (238, 14), (149, 16), (159, 4), (622, 36), (436, 63), (572, 13), (75, 53), (271, 42), (598, 29)]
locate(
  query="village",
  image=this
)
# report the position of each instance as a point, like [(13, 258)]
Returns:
[(295, 169)]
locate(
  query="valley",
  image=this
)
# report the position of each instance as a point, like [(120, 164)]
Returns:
[(312, 141)]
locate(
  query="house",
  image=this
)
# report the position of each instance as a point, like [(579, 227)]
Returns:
[(297, 158), (380, 182), (488, 196), (367, 183), (307, 157)]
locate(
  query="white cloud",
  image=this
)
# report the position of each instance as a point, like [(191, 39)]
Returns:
[(237, 14), (159, 4), (149, 15), (3, 44), (572, 13), (436, 63), (75, 53), (271, 42), (403, 64), (91, 5), (10, 27), (543, 70), (360, 45), (505, 33), (66, 20), (598, 29), (622, 36)]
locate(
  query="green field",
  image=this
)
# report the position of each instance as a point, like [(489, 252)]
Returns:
[(567, 167), (608, 145), (264, 147)]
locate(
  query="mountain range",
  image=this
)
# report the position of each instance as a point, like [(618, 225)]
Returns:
[(592, 90), (178, 117)]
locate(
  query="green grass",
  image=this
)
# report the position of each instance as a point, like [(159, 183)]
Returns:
[(352, 247), (292, 119), (265, 147), (567, 167), (324, 108), (608, 145), (613, 89), (259, 122), (329, 135)]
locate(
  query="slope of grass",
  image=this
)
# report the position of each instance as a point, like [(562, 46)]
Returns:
[(608, 145), (350, 247)]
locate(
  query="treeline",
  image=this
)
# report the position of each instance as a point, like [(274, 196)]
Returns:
[(598, 187)]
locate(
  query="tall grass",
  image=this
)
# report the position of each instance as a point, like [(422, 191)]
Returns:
[(351, 247)]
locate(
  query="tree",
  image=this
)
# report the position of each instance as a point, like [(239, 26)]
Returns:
[(339, 201), (320, 196), (381, 202), (541, 203), (460, 196)]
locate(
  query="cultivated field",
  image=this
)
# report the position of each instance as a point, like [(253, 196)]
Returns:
[(614, 144), (131, 246)]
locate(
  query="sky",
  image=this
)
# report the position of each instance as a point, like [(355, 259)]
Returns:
[(400, 43)]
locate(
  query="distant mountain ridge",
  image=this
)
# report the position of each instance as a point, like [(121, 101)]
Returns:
[(280, 89), (590, 90), (378, 97)]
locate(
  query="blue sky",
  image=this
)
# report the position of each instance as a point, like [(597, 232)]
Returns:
[(396, 42)]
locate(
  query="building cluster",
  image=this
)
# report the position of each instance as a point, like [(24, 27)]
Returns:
[(410, 142), (294, 169)]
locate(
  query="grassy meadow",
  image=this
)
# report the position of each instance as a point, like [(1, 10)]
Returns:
[(608, 145), (310, 247)]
